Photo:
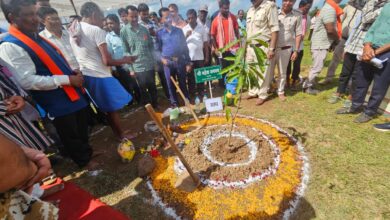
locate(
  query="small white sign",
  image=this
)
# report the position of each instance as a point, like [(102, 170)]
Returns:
[(214, 104)]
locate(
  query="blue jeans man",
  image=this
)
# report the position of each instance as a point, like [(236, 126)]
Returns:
[(176, 68)]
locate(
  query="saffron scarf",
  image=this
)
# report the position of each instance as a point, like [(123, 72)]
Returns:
[(339, 12), (221, 34), (45, 58)]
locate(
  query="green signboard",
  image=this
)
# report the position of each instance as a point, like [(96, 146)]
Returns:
[(207, 74)]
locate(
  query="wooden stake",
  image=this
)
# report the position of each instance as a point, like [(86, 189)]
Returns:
[(74, 7), (186, 101), (166, 134)]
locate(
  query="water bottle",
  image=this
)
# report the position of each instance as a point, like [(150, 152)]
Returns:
[(204, 98), (197, 105)]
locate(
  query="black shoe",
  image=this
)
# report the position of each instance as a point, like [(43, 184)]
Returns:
[(385, 127), (312, 91), (345, 110), (363, 118)]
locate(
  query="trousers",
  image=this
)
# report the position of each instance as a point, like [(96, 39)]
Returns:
[(177, 70), (365, 74), (318, 57), (73, 132)]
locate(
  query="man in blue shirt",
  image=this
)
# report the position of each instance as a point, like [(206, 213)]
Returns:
[(175, 58)]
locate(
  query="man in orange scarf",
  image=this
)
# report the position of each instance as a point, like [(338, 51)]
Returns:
[(40, 68), (326, 35), (224, 30)]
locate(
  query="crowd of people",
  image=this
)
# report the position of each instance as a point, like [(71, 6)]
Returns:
[(51, 74)]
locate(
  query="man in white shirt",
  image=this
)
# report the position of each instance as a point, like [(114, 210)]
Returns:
[(197, 42), (39, 68), (58, 36), (90, 47), (205, 22)]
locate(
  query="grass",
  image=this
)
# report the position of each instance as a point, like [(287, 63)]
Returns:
[(349, 177)]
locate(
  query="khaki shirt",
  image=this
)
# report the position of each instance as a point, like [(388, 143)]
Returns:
[(263, 19), (290, 27)]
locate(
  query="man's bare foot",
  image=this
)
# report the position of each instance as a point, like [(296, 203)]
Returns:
[(260, 101), (52, 190), (248, 97), (282, 97)]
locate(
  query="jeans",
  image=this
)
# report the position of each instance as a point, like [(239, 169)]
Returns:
[(176, 69), (147, 83), (296, 66), (192, 82), (163, 81), (347, 72), (365, 74)]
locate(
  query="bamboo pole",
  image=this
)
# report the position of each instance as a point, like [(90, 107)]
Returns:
[(165, 132), (186, 101), (74, 7)]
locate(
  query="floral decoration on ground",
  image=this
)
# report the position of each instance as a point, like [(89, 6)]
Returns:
[(274, 195)]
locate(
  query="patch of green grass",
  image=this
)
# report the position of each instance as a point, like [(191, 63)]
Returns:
[(350, 171)]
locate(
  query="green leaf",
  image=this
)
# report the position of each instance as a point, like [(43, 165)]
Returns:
[(236, 100), (256, 73), (232, 75), (228, 113), (239, 56), (260, 54), (230, 45), (231, 58), (240, 83), (228, 69), (261, 42)]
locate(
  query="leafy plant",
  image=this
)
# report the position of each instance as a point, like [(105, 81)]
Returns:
[(247, 74)]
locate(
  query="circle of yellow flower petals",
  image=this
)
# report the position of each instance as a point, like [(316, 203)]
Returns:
[(275, 197)]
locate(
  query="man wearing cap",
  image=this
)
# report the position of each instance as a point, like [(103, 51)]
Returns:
[(205, 22), (262, 18)]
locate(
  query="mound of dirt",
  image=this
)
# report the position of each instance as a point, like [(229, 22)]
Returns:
[(209, 153)]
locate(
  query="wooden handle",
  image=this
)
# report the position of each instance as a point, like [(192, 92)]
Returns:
[(185, 101), (74, 7), (382, 49), (165, 132)]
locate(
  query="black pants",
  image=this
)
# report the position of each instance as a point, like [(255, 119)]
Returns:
[(347, 72), (191, 82), (296, 66), (128, 83), (147, 83), (73, 131), (224, 63), (365, 74), (163, 81)]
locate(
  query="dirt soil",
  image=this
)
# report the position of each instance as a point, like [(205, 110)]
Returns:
[(237, 152), (221, 152)]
